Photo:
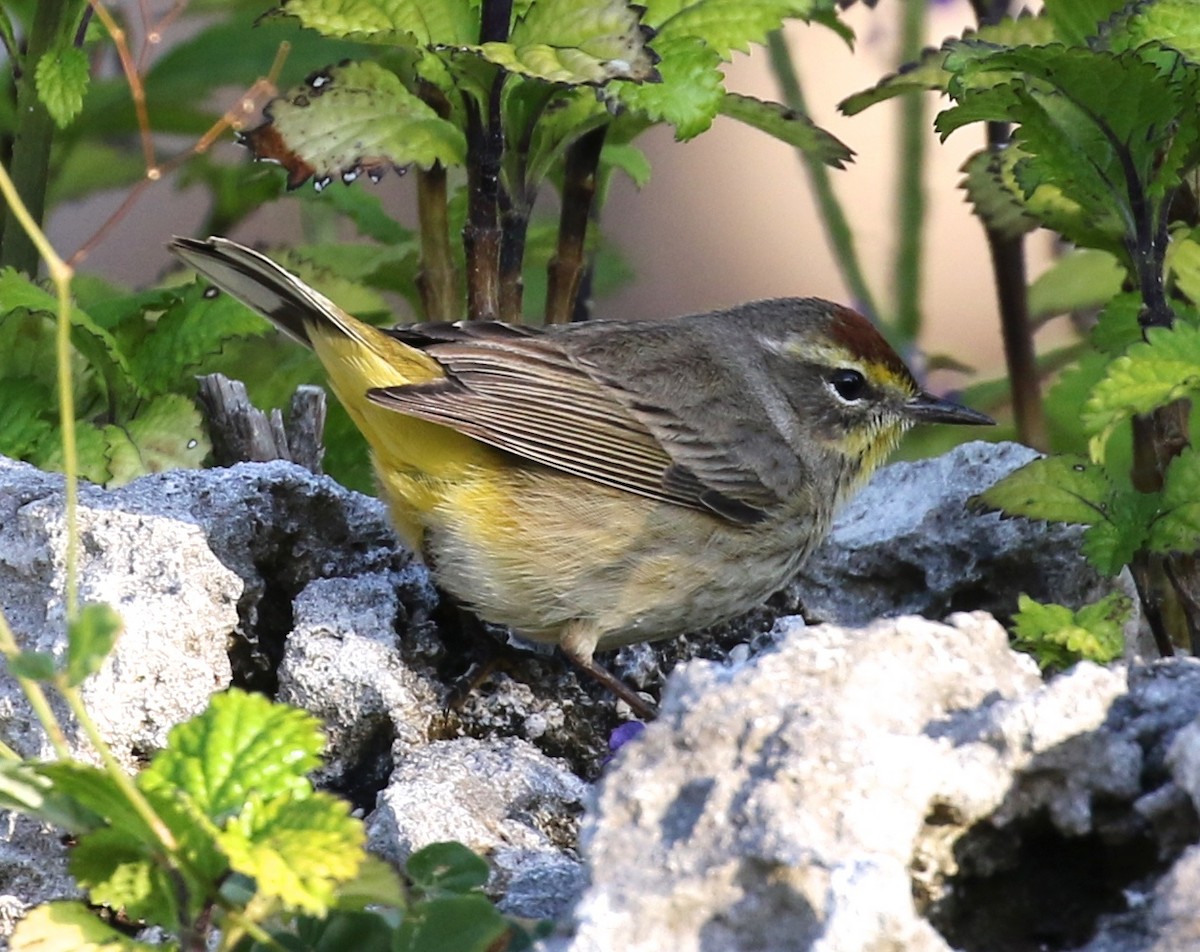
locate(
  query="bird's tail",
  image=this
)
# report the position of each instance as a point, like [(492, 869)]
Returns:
[(261, 284)]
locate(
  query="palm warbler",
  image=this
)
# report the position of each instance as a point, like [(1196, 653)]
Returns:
[(598, 484)]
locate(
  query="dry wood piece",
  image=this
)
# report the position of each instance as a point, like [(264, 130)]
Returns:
[(240, 432)]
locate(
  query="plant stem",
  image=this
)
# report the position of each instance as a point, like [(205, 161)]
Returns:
[(436, 279), (485, 151), (910, 218), (1012, 293), (30, 162), (35, 695), (833, 218), (566, 268), (60, 273), (128, 788)]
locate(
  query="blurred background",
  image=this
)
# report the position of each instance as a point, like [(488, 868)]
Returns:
[(724, 218)]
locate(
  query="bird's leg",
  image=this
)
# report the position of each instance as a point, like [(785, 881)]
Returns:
[(578, 643)]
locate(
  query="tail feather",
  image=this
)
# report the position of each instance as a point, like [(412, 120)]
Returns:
[(259, 283)]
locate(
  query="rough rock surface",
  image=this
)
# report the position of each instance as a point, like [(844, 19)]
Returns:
[(907, 544), (831, 771), (910, 786)]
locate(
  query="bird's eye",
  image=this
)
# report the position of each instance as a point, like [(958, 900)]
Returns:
[(848, 384)]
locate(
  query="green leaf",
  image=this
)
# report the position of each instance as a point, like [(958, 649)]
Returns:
[(1177, 529), (90, 638), (167, 433), (930, 72), (1117, 324), (89, 337), (351, 119), (390, 22), (563, 41), (70, 925), (451, 924), (1102, 128), (1163, 368), (34, 665), (729, 26), (1075, 21), (1058, 637), (1056, 488), (119, 871), (62, 79), (297, 849), (25, 402), (992, 191), (99, 794), (1110, 545), (788, 126), (196, 325), (1183, 264), (26, 789), (629, 159), (375, 884), (341, 931), (449, 868), (690, 93), (1082, 278), (1170, 22), (242, 745)]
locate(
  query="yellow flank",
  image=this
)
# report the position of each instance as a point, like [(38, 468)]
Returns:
[(416, 461)]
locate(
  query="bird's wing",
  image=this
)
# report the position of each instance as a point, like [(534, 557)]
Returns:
[(518, 390)]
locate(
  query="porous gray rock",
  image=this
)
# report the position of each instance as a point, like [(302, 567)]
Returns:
[(901, 786), (504, 799), (909, 544)]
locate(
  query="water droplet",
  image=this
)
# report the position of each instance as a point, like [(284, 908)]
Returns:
[(211, 292)]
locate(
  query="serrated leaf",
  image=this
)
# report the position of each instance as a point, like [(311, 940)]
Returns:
[(353, 119), (390, 22), (1177, 529), (1102, 128), (196, 325), (1154, 372), (298, 850), (91, 635), (241, 745), (730, 26), (449, 868), (24, 401), (1075, 21), (690, 93), (1056, 488), (375, 884), (91, 447), (451, 924), (991, 191), (56, 926), (1171, 22), (562, 41), (119, 871), (930, 72), (1110, 545), (1058, 636), (62, 76), (788, 126), (1117, 326), (89, 337), (168, 433), (341, 930)]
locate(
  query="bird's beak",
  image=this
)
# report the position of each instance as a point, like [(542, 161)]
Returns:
[(926, 408)]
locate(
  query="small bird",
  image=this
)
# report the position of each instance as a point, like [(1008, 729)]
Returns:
[(598, 484)]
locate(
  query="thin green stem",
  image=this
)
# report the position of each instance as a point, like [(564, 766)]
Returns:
[(833, 218), (140, 804), (35, 695), (60, 274), (910, 217)]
